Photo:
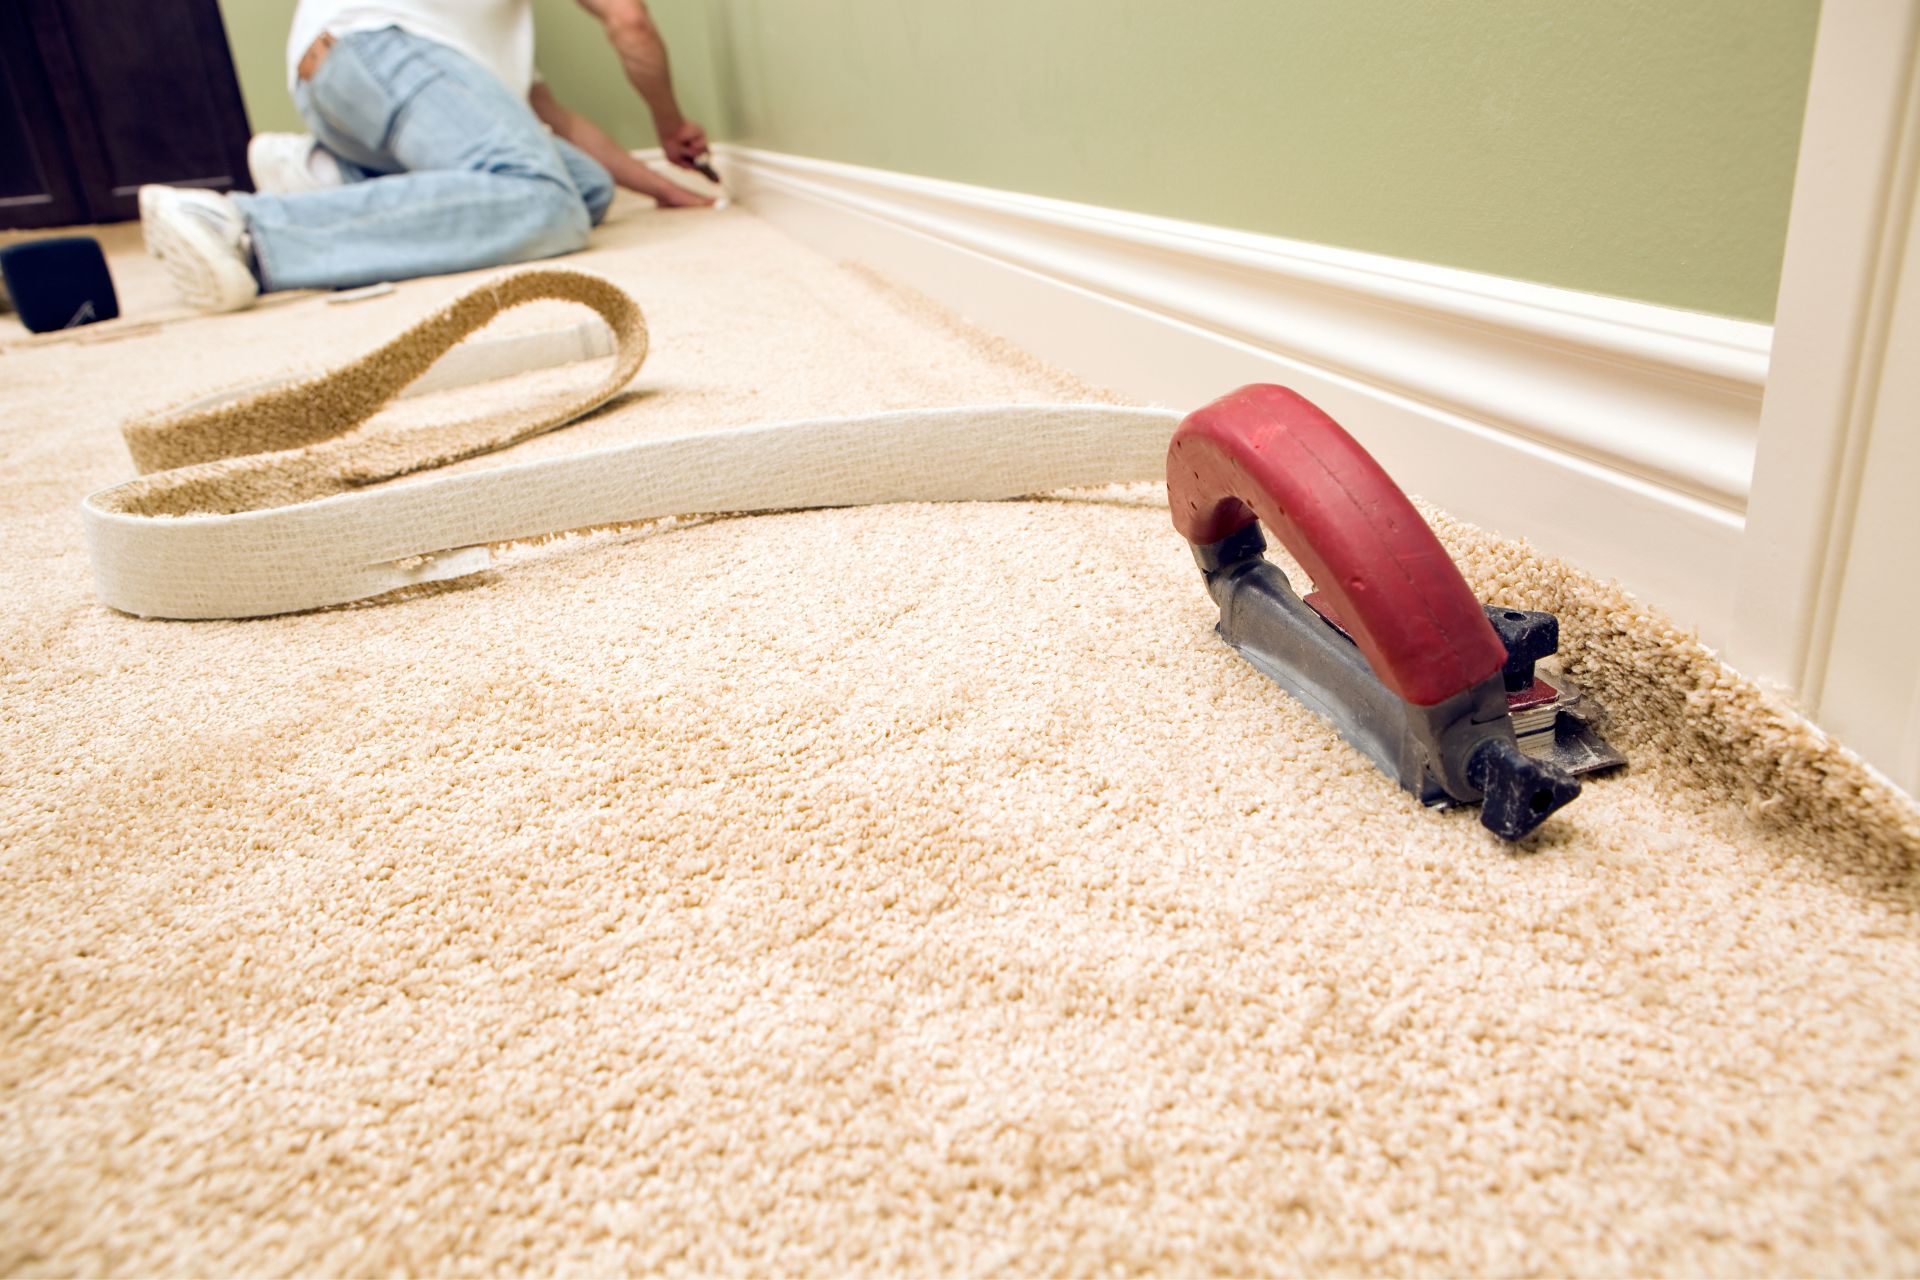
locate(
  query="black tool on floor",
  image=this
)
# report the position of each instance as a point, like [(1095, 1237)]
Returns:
[(1392, 648), (59, 283)]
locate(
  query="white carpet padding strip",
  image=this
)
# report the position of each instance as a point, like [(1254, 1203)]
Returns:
[(352, 545)]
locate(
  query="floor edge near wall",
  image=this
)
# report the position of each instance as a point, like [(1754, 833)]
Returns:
[(1617, 434)]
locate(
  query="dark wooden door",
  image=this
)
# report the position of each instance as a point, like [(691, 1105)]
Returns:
[(38, 187), (111, 94)]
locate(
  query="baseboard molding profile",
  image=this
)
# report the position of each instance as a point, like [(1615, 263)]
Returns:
[(1618, 434)]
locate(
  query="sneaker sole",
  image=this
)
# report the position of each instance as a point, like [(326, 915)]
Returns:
[(202, 269)]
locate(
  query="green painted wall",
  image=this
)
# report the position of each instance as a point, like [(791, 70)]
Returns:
[(1642, 148), (257, 34)]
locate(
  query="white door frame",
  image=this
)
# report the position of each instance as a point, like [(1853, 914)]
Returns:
[(1850, 239)]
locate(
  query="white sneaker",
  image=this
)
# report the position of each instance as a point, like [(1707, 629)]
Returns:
[(285, 164), (201, 239)]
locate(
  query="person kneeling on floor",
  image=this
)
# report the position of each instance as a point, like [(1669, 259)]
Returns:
[(436, 148)]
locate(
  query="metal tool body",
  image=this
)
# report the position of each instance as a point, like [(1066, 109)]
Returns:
[(1392, 649)]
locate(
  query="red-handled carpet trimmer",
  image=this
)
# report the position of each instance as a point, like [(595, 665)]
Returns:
[(1392, 648)]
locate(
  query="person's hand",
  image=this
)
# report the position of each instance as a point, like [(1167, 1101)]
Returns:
[(684, 144)]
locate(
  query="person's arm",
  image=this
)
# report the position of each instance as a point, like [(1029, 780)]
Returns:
[(619, 163), (643, 56)]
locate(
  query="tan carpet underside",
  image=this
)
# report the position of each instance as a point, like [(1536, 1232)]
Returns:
[(914, 888), (298, 441)]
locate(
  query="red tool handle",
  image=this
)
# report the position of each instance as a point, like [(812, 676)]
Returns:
[(1266, 452)]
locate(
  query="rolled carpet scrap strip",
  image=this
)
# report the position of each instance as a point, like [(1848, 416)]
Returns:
[(259, 500)]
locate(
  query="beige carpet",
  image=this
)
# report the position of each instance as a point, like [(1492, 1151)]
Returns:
[(892, 891)]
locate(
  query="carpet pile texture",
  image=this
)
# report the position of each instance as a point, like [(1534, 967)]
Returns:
[(918, 889)]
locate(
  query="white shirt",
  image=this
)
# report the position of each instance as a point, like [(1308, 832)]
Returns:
[(497, 34)]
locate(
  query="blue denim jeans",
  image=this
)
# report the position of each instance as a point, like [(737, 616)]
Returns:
[(447, 172)]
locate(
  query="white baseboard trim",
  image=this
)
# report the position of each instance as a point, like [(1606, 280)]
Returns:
[(1618, 434)]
